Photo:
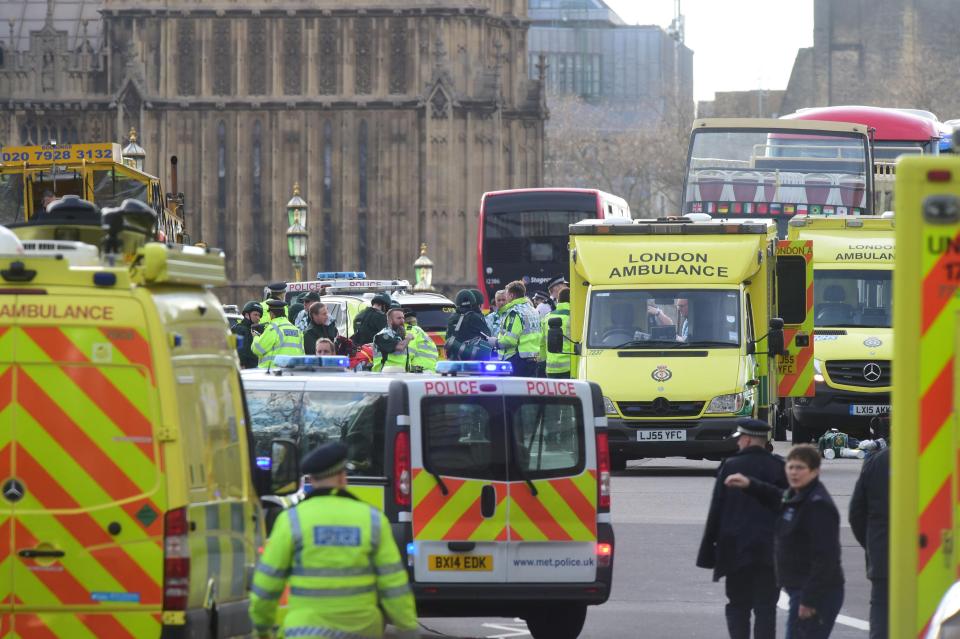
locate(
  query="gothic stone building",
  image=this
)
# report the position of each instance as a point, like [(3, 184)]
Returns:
[(393, 115)]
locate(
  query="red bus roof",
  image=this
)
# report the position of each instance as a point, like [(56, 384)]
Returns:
[(889, 124), (543, 190)]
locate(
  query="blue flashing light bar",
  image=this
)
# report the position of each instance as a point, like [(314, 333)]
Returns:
[(264, 463), (311, 361), (474, 368), (342, 275)]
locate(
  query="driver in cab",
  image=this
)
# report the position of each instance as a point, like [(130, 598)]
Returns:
[(656, 317)]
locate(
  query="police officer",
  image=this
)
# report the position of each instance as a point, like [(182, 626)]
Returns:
[(467, 329), (279, 336), (557, 364), (738, 539), (391, 346), (274, 291), (371, 320), (519, 336), (242, 329), (340, 559), (423, 352)]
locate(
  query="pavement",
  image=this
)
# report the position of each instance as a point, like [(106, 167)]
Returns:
[(659, 508)]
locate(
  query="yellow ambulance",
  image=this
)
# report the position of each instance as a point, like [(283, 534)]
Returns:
[(682, 322), (853, 344), (128, 505), (497, 487), (924, 521)]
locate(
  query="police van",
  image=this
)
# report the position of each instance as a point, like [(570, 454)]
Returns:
[(128, 503), (498, 488)]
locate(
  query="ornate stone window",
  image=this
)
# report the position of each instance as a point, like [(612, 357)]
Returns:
[(186, 58), (398, 55), (222, 58), (256, 158), (362, 157), (327, 201), (221, 165), (364, 42), (292, 54), (329, 58), (256, 56)]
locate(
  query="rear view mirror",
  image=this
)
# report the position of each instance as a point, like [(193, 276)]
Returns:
[(555, 335), (284, 467), (775, 345), (751, 347)]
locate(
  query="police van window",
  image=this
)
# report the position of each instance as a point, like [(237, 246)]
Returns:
[(792, 289), (547, 436), (356, 419), (463, 437), (274, 415)]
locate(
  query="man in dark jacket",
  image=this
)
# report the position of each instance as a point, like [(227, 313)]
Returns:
[(467, 329), (251, 316), (371, 320), (869, 521), (319, 326), (738, 539)]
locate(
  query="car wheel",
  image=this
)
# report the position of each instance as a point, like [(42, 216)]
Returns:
[(557, 623)]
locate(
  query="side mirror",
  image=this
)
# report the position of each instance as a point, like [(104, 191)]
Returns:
[(284, 467), (555, 335), (751, 347), (775, 340)]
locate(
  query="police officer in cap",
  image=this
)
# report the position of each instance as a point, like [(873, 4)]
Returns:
[(279, 336), (274, 291), (244, 332), (371, 320), (340, 559), (738, 539)]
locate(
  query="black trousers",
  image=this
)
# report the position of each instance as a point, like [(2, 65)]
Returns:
[(753, 588), (878, 608), (523, 367)]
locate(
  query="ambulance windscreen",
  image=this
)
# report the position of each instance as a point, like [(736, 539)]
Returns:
[(853, 298), (665, 318)]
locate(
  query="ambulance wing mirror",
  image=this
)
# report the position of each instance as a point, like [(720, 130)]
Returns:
[(284, 467), (775, 343), (555, 338)]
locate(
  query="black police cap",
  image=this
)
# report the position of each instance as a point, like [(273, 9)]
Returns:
[(276, 303), (752, 427), (312, 296), (556, 281), (409, 312), (277, 287), (326, 460)]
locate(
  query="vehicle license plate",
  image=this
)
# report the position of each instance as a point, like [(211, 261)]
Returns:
[(469, 563), (870, 409), (662, 435)]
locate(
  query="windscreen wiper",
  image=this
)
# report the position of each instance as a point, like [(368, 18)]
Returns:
[(437, 478), (523, 474), (649, 342), (707, 342)]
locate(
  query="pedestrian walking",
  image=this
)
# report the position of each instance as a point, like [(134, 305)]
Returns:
[(340, 559), (244, 332), (870, 522), (806, 542), (321, 326), (738, 539), (279, 336)]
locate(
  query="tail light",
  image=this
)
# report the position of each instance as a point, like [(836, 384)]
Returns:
[(401, 469), (176, 560), (604, 555), (603, 470)]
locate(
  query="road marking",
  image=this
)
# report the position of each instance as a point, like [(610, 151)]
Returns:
[(784, 604), (518, 628)]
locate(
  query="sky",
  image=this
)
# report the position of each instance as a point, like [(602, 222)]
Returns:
[(737, 45)]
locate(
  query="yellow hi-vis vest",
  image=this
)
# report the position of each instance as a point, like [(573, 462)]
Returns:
[(519, 330), (401, 360), (423, 352), (279, 337), (557, 362), (343, 567)]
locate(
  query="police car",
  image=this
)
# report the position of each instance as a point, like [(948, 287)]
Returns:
[(348, 293), (498, 488)]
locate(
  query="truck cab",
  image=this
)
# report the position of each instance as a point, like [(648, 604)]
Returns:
[(677, 321), (853, 345)]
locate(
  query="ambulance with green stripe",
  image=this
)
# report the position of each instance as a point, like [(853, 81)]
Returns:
[(497, 487), (127, 499), (853, 308)]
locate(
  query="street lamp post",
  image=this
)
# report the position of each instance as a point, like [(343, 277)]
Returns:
[(297, 232), (423, 271)]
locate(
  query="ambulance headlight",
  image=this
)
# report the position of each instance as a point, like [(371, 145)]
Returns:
[(946, 620), (731, 403), (608, 406), (817, 371)]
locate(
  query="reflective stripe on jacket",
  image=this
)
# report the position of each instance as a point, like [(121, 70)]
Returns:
[(519, 330), (423, 352), (279, 337), (343, 567), (557, 362), (392, 358)]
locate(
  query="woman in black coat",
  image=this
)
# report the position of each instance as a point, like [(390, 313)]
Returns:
[(806, 543)]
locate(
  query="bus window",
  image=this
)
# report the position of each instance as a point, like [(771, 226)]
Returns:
[(11, 199), (110, 188)]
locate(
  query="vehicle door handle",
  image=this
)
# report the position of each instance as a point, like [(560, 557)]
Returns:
[(461, 546), (488, 501), (32, 553)]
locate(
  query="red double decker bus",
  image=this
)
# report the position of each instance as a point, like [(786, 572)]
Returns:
[(523, 233)]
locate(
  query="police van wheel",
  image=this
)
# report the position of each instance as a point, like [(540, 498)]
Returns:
[(557, 623)]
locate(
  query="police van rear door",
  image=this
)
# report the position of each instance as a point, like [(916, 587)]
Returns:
[(552, 490)]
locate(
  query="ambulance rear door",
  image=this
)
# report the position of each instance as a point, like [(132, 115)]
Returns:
[(10, 487), (795, 306)]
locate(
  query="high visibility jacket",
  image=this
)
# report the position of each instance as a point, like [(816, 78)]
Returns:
[(423, 351), (384, 354), (557, 362), (519, 330), (343, 567), (279, 337)]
